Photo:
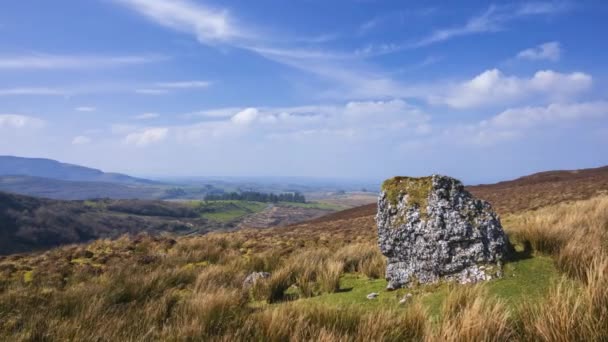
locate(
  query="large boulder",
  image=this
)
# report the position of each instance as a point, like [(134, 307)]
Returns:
[(432, 229)]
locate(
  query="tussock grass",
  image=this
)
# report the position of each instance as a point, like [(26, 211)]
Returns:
[(574, 233), (469, 314), (155, 288)]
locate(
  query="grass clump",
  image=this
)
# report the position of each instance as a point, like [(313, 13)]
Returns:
[(321, 274), (573, 233)]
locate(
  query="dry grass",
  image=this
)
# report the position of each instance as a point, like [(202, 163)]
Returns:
[(570, 313), (469, 314), (155, 288), (575, 233)]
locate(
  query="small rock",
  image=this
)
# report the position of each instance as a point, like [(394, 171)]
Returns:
[(252, 278), (372, 295), (405, 298)]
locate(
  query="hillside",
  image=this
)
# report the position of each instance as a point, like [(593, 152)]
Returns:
[(543, 189), (48, 168), (29, 223), (525, 193), (191, 288)]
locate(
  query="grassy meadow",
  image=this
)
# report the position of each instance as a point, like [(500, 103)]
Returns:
[(143, 288)]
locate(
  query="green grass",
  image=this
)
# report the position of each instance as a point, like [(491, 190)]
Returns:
[(313, 205), (523, 280), (227, 211)]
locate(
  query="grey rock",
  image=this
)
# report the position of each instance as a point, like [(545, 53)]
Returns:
[(432, 229), (372, 295), (252, 278)]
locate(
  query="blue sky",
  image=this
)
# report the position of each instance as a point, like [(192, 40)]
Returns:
[(347, 88)]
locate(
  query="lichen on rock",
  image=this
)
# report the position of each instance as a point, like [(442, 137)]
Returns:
[(432, 229)]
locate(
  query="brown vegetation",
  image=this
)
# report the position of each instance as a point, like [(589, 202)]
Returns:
[(190, 288), (543, 189)]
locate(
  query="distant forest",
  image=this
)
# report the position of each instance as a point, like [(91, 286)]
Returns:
[(257, 197)]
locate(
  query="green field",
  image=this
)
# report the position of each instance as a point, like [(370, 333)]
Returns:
[(523, 280), (227, 211), (313, 205)]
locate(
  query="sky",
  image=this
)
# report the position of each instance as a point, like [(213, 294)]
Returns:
[(355, 89)]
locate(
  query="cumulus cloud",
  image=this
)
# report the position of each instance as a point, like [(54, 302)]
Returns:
[(515, 123), (81, 140), (550, 51), (365, 119), (246, 116), (147, 136), (16, 121), (492, 87), (532, 116)]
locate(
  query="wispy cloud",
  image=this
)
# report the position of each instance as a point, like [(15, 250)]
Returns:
[(208, 24), (33, 91), (85, 109), (146, 116), (150, 91), (494, 19), (184, 84), (52, 62), (147, 136), (20, 121), (548, 51), (81, 140)]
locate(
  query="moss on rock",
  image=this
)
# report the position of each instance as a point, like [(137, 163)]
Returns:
[(417, 189)]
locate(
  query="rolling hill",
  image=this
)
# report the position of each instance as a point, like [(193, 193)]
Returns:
[(77, 190), (30, 223), (525, 193), (48, 168)]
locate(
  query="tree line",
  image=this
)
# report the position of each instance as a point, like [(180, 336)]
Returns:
[(257, 197)]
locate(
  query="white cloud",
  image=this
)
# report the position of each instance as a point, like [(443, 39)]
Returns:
[(184, 84), (208, 24), (147, 136), (493, 19), (85, 109), (33, 91), (16, 121), (246, 116), (492, 88), (81, 140), (532, 116), (215, 113), (72, 62), (147, 116), (516, 123), (548, 51), (149, 91)]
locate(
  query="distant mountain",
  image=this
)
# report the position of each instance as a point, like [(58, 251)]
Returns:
[(78, 190), (48, 168)]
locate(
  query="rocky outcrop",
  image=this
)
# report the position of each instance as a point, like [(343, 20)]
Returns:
[(432, 229)]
